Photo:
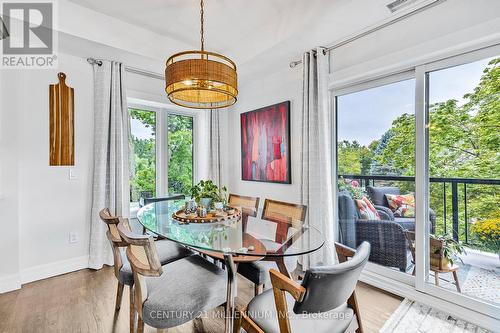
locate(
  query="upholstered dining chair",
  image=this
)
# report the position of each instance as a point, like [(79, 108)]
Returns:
[(325, 302), (284, 214), (169, 251), (173, 294)]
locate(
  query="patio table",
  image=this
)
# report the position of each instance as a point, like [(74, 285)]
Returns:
[(243, 239)]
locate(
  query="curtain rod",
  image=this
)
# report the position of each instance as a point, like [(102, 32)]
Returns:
[(374, 29), (129, 69)]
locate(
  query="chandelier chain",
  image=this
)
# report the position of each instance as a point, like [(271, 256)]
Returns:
[(202, 21)]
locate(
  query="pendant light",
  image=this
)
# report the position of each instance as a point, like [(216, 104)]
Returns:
[(201, 79)]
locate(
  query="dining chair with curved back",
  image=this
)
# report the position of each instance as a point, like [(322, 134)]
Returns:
[(169, 251), (122, 269), (286, 215), (172, 294), (248, 204), (325, 300)]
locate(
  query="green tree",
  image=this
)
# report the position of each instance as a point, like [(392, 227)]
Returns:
[(180, 146)]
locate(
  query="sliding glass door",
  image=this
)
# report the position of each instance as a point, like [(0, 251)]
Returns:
[(462, 114), (418, 165), (376, 165)]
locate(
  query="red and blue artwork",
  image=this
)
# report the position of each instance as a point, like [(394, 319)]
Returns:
[(265, 144)]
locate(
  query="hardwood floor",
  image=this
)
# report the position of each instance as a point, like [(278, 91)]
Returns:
[(83, 301)]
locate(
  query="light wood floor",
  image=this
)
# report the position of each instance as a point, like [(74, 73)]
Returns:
[(83, 301)]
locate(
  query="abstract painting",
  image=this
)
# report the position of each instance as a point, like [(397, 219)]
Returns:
[(265, 144)]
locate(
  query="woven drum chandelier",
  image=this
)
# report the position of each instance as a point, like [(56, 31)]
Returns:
[(201, 79)]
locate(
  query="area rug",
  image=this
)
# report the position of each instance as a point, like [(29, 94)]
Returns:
[(413, 317)]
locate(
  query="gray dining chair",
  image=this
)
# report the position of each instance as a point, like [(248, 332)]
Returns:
[(324, 302), (168, 251), (173, 294)]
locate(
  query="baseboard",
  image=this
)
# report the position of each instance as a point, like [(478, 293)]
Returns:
[(10, 283), (407, 291), (41, 272)]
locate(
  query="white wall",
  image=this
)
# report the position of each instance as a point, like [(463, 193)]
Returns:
[(9, 237), (274, 88), (51, 205), (39, 204), (441, 30)]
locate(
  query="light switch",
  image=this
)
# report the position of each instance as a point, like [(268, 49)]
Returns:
[(72, 174)]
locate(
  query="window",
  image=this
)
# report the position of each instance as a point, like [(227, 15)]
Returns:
[(143, 154), (162, 156), (180, 153)]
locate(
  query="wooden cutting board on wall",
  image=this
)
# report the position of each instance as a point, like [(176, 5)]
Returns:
[(61, 114)]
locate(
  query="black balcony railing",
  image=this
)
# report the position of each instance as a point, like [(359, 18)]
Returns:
[(366, 180)]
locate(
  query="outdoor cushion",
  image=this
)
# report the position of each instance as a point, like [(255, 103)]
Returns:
[(186, 289), (377, 194), (262, 310), (403, 205), (168, 251), (366, 209)]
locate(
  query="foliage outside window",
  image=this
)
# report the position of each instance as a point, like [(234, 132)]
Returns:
[(143, 157), (180, 153)]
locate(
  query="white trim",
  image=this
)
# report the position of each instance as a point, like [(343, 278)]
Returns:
[(10, 283), (404, 290), (421, 179), (399, 67), (370, 83), (161, 145), (41, 272)]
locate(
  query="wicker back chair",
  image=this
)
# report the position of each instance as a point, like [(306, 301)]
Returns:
[(250, 205), (286, 215)]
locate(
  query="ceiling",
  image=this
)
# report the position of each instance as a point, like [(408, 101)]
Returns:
[(257, 31)]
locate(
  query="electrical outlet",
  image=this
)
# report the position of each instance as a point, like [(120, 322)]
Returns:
[(73, 237)]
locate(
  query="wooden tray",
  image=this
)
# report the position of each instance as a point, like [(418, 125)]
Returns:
[(181, 217)]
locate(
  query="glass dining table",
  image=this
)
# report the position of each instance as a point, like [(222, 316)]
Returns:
[(243, 239)]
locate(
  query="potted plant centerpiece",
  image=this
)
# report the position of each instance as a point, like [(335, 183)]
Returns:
[(207, 194)]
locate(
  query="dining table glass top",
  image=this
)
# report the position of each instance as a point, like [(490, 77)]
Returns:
[(245, 235)]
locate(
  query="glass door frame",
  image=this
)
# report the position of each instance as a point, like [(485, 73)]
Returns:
[(353, 88), (416, 286), (422, 180), (161, 139)]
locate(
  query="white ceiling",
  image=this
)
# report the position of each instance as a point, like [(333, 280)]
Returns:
[(257, 31)]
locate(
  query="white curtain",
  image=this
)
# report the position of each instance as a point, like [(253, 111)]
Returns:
[(110, 188), (214, 144), (316, 157)]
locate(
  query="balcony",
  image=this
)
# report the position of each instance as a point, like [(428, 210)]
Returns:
[(455, 202)]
